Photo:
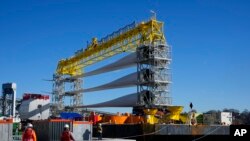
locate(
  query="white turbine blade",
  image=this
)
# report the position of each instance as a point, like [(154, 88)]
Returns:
[(126, 81), (125, 62), (124, 101)]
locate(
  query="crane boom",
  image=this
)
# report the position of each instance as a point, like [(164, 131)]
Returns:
[(123, 40)]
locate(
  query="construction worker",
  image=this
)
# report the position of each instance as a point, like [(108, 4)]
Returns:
[(66, 134), (29, 134), (99, 131)]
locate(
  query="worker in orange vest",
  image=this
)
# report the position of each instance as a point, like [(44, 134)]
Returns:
[(66, 134), (29, 134)]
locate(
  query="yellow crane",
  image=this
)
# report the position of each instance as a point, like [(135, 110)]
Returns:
[(123, 40)]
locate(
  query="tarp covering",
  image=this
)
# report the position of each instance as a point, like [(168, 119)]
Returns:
[(124, 101), (65, 115)]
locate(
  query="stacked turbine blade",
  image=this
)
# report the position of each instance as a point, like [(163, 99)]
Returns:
[(124, 101)]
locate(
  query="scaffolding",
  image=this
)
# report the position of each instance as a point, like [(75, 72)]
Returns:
[(59, 95), (154, 78), (8, 101)]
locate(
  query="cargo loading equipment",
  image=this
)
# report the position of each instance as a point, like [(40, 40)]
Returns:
[(148, 50)]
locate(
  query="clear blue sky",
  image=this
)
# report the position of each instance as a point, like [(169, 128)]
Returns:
[(210, 40)]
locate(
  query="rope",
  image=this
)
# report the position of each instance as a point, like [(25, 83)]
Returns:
[(207, 133)]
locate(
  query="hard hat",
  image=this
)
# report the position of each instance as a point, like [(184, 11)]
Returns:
[(29, 125), (66, 126)]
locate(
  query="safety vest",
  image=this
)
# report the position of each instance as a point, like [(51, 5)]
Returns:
[(65, 136), (99, 129), (28, 135)]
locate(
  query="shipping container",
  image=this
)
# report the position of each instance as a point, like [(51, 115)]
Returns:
[(50, 130), (6, 127)]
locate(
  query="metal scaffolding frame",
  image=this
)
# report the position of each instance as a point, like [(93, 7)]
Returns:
[(8, 101), (153, 75), (78, 97), (59, 95)]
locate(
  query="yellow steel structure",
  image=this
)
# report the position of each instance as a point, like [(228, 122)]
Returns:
[(122, 41)]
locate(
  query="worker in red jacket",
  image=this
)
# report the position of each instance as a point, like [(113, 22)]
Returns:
[(66, 134), (29, 134)]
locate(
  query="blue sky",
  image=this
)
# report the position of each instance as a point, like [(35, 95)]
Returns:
[(210, 41)]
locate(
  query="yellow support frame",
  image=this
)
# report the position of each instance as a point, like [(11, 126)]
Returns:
[(144, 33)]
